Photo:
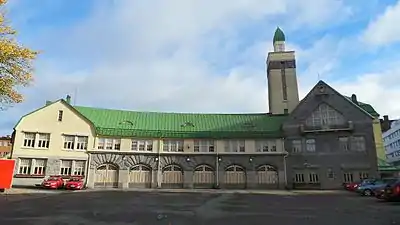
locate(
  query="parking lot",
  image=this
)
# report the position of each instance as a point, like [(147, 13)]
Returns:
[(153, 208)]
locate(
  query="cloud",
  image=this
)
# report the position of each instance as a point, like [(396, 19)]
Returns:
[(384, 29)]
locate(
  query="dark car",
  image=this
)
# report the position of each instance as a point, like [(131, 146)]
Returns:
[(392, 191), (379, 190)]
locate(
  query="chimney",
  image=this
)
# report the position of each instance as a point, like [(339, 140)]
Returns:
[(68, 99), (48, 102), (385, 118), (354, 98)]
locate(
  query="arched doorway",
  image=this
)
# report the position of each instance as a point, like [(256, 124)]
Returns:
[(172, 177), (203, 177), (140, 176), (267, 177), (235, 177), (106, 176)]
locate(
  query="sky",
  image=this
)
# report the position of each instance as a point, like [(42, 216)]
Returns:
[(203, 55)]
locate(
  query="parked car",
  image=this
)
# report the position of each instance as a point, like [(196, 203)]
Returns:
[(74, 183), (53, 182), (369, 189), (354, 185), (392, 191)]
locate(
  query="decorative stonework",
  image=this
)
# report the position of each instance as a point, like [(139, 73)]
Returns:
[(106, 158)]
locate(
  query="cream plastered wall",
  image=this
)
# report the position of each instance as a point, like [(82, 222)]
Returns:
[(45, 120), (188, 147), (275, 91)]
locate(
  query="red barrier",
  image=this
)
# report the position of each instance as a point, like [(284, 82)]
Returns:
[(6, 173)]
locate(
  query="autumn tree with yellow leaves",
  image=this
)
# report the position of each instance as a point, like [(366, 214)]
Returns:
[(16, 63)]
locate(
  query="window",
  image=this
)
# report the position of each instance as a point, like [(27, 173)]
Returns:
[(79, 168), (235, 146), (285, 111), (296, 146), (358, 144), (60, 115), (82, 142), (313, 178), (325, 115), (40, 166), (173, 145), (310, 145), (363, 175), (44, 140), (266, 146), (299, 178), (331, 174), (29, 140), (109, 144), (348, 177), (25, 166), (66, 167), (142, 145), (69, 142), (203, 146), (344, 143)]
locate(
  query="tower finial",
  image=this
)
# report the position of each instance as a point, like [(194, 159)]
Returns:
[(279, 35)]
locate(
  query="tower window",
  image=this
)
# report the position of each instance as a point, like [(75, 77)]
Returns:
[(285, 111), (60, 115)]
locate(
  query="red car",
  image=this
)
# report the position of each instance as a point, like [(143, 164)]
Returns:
[(351, 186), (74, 183), (392, 192), (53, 182)]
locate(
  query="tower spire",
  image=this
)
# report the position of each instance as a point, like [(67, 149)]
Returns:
[(279, 40)]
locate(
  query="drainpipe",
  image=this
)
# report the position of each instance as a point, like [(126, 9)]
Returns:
[(159, 163), (217, 170), (284, 162)]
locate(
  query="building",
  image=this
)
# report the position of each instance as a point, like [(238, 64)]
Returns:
[(391, 140), (319, 142), (5, 146)]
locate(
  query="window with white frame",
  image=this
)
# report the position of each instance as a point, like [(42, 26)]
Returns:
[(173, 145), (344, 143), (66, 167), (25, 166), (69, 142), (109, 144), (79, 168), (348, 177), (43, 140), (299, 178), (266, 146), (363, 175), (310, 145), (325, 115), (142, 145), (313, 178), (29, 139), (358, 144), (82, 142), (39, 167), (203, 146), (235, 146), (297, 146)]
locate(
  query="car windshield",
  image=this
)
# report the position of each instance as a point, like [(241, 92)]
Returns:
[(74, 179), (52, 178)]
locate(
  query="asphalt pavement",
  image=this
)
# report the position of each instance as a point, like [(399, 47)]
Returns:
[(197, 208)]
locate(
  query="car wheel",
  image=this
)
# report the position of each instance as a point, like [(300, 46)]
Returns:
[(367, 192)]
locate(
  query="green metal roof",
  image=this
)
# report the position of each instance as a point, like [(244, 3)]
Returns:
[(279, 35), (110, 122), (366, 107), (385, 166)]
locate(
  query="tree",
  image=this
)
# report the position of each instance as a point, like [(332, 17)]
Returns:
[(16, 63)]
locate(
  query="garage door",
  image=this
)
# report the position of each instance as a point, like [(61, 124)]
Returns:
[(267, 177), (235, 177), (106, 176), (172, 177), (140, 176), (203, 177)]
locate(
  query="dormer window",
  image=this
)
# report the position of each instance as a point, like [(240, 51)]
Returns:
[(60, 115)]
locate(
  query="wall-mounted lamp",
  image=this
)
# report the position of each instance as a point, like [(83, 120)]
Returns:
[(219, 159), (187, 159), (306, 165), (251, 159), (156, 159)]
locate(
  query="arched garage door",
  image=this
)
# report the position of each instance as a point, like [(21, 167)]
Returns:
[(140, 176), (106, 176), (235, 177), (267, 177), (203, 177), (172, 177)]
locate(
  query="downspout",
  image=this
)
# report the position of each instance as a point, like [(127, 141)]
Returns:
[(159, 162), (217, 169), (284, 162)]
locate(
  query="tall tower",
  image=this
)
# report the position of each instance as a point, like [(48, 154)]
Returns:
[(283, 93)]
